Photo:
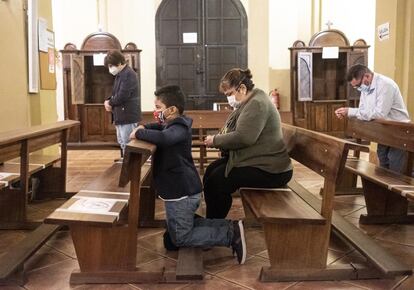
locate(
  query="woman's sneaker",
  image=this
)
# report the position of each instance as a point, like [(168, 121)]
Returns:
[(238, 243)]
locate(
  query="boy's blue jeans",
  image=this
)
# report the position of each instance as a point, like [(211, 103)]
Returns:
[(187, 231)]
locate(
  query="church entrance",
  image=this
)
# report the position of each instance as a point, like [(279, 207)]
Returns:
[(197, 41)]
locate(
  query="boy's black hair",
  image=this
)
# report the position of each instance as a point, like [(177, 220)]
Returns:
[(171, 96), (114, 57)]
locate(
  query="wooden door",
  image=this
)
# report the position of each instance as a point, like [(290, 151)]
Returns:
[(197, 42)]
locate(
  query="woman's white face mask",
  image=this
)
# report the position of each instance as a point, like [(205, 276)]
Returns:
[(233, 102)]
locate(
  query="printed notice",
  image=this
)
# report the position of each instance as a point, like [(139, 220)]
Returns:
[(384, 31), (98, 59), (190, 37), (92, 205), (330, 52)]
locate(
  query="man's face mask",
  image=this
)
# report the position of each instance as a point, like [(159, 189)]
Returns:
[(363, 88)]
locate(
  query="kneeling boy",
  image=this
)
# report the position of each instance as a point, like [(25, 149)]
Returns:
[(177, 181)]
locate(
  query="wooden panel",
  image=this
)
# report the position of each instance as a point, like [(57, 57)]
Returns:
[(391, 133), (280, 206), (336, 124), (94, 121), (77, 79), (37, 158), (9, 151), (296, 247), (319, 152), (190, 264), (320, 117), (44, 141)]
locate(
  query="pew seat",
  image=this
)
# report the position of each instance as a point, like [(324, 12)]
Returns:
[(387, 193)]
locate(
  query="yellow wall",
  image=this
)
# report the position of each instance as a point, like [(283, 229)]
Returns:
[(14, 99), (43, 104), (19, 108), (394, 57)]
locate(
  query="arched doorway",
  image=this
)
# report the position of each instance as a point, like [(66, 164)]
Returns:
[(197, 41)]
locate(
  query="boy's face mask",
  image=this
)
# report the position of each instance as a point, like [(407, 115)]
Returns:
[(160, 115)]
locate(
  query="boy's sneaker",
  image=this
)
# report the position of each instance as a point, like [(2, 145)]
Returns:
[(239, 242)]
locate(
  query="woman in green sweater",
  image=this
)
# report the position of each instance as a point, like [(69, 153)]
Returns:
[(253, 152)]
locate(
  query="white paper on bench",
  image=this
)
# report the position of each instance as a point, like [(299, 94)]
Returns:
[(109, 192), (92, 205), (33, 164), (391, 186), (5, 175)]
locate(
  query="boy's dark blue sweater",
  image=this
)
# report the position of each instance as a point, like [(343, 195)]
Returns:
[(174, 171)]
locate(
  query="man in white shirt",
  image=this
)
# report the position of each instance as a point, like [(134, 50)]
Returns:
[(380, 99)]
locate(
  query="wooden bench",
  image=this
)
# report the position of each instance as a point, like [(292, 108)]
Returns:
[(297, 228), (105, 236), (16, 156), (387, 193)]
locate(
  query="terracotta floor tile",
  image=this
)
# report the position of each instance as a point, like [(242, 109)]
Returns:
[(211, 282), (248, 274), (9, 238), (62, 242), (401, 234), (106, 287), (54, 277), (44, 257), (324, 285), (218, 259)]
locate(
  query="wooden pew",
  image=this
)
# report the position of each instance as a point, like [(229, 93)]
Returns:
[(386, 192), (19, 144), (297, 228), (105, 240), (13, 200)]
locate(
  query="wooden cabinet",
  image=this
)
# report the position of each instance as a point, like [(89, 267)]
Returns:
[(318, 84), (87, 83)]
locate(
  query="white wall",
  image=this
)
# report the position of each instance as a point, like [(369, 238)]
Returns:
[(288, 22), (355, 18), (73, 20)]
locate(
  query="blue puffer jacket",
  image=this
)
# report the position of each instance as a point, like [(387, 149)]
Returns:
[(174, 172)]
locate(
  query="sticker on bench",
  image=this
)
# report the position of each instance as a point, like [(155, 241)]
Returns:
[(391, 186), (92, 205), (5, 175), (109, 192), (32, 164), (404, 192)]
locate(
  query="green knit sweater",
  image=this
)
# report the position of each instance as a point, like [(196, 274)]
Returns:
[(257, 140)]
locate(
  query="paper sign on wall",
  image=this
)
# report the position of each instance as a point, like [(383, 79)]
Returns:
[(190, 37), (98, 59), (330, 52), (384, 31), (42, 30)]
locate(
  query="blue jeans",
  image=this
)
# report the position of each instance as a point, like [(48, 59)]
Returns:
[(391, 158), (122, 134), (187, 231)]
